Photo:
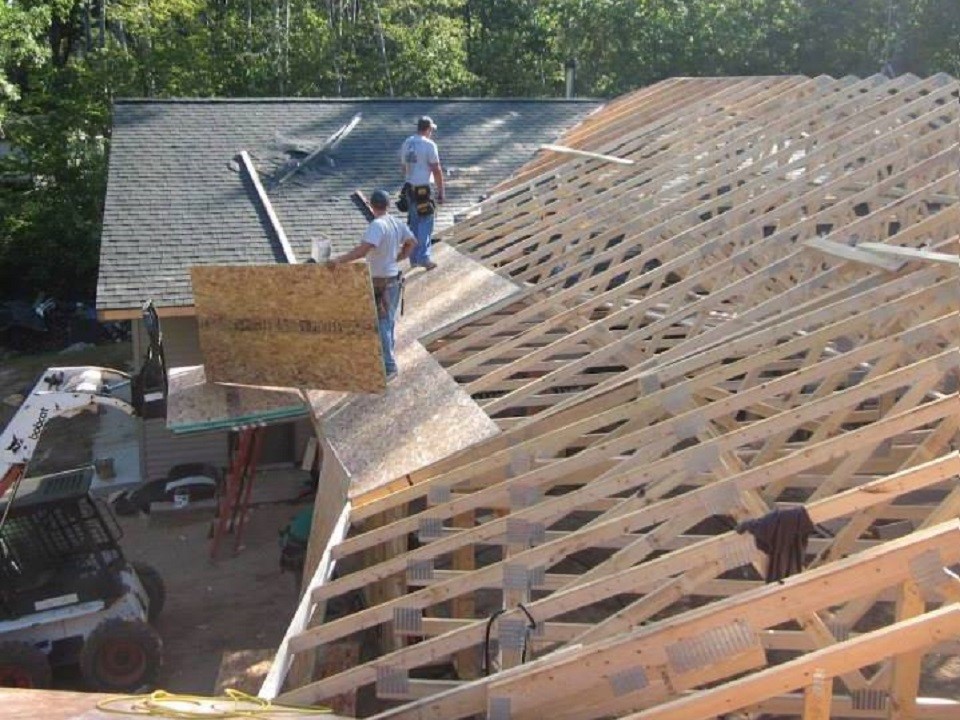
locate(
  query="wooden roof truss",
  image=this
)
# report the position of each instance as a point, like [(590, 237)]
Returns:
[(711, 333)]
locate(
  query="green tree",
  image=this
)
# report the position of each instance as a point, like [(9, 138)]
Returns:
[(21, 49), (62, 62)]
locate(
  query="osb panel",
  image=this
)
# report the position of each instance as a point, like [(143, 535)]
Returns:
[(194, 405), (301, 326), (423, 417), (457, 288)]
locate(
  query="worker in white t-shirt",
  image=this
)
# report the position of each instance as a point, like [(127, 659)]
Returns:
[(386, 242), (421, 168)]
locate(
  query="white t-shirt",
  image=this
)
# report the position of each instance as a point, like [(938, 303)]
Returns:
[(386, 234), (418, 153)]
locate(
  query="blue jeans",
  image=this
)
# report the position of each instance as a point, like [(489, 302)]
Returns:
[(387, 322), (422, 228)]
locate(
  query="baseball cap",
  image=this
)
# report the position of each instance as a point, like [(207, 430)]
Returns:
[(379, 199), (425, 122)]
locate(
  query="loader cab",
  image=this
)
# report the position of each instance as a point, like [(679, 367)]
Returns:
[(58, 546)]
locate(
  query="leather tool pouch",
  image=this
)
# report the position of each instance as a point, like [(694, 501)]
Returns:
[(403, 199), (420, 195)]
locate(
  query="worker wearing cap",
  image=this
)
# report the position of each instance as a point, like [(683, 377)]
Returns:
[(385, 243), (421, 166)]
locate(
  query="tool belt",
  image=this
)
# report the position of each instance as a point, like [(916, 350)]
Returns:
[(380, 285), (403, 199), (420, 198)]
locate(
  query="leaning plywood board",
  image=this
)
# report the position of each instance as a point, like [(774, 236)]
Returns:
[(289, 326), (423, 417), (458, 288), (195, 405)]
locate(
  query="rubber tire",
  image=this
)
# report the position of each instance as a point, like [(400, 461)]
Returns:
[(121, 656), (23, 666), (153, 583)]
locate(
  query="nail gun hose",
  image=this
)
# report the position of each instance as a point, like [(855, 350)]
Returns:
[(486, 641)]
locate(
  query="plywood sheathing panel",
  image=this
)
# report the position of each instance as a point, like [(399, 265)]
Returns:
[(458, 288), (195, 405), (423, 417), (300, 326)]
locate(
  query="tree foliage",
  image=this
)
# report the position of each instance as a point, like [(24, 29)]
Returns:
[(63, 61)]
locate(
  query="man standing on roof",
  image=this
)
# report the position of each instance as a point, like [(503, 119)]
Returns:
[(421, 164), (385, 243)]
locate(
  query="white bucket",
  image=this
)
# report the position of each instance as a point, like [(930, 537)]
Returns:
[(320, 250)]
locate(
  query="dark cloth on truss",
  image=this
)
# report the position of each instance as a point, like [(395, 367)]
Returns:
[(782, 535)]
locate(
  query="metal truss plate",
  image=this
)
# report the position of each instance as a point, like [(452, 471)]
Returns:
[(711, 647), (408, 620), (628, 681), (430, 529), (420, 569), (392, 682), (438, 494)]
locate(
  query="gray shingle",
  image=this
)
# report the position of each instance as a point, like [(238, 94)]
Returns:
[(174, 201)]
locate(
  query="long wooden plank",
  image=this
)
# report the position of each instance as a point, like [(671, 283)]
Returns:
[(909, 636)]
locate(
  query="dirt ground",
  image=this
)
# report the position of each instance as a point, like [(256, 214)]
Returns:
[(240, 602)]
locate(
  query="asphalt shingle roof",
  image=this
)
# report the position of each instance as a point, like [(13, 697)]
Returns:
[(175, 198)]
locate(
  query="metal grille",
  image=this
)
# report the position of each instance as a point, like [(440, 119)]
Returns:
[(50, 537)]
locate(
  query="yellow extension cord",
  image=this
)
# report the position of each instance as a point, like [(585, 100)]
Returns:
[(162, 704)]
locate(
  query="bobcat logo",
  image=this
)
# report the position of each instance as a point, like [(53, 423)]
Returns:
[(39, 424)]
